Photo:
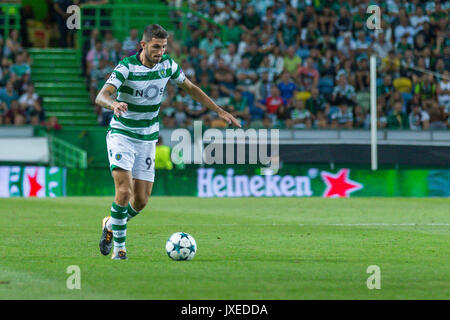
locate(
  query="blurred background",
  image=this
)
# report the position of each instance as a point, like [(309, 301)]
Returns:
[(298, 66)]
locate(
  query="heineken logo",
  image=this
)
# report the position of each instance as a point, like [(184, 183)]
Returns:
[(335, 185), (17, 181), (34, 187), (339, 185), (230, 185)]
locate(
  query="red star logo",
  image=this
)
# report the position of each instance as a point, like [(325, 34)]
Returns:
[(339, 185), (34, 184)]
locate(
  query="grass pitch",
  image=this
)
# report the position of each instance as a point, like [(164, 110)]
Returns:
[(271, 248)]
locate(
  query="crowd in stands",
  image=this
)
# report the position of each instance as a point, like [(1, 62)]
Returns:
[(101, 53), (19, 103), (300, 64), (305, 64), (274, 63)]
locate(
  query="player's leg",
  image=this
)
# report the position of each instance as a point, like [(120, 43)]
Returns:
[(121, 158), (143, 173), (123, 191), (141, 192), (114, 226)]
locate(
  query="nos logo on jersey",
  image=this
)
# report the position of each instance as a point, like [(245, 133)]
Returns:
[(150, 92)]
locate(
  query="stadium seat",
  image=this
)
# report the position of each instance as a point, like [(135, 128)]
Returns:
[(403, 84), (303, 53), (303, 95), (325, 86)]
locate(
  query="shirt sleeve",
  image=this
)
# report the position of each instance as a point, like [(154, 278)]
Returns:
[(177, 73), (118, 76)]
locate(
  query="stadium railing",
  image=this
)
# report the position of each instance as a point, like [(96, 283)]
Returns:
[(9, 18), (64, 154)]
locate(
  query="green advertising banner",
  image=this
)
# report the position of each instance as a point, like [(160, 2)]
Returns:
[(343, 182), (232, 181), (18, 181), (290, 181)]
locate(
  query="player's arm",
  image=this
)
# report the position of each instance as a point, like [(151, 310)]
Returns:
[(105, 99), (198, 95)]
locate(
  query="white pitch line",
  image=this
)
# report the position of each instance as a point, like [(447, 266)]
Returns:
[(381, 224), (317, 225)]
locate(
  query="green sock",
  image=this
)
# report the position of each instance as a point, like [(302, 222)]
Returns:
[(131, 212), (119, 226)]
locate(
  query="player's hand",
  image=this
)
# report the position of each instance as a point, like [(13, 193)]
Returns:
[(229, 118), (119, 108)]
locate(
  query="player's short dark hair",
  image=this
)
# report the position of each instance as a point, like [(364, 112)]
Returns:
[(154, 31)]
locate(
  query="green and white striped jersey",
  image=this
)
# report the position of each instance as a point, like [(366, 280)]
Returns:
[(142, 89)]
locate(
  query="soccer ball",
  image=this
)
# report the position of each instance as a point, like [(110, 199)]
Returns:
[(181, 246)]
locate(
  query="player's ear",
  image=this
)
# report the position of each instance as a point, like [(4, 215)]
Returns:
[(143, 43)]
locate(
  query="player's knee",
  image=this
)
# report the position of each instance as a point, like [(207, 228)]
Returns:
[(123, 194), (140, 201)]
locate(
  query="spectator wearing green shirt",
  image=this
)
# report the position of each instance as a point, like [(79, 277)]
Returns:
[(12, 44), (162, 159), (5, 71), (250, 20), (326, 20), (300, 117), (233, 33), (20, 68), (343, 118), (254, 55), (8, 94), (403, 45), (292, 61), (311, 35), (359, 20), (178, 53), (246, 76), (208, 44), (426, 88), (239, 106), (398, 119), (386, 89), (343, 92), (316, 102), (287, 34)]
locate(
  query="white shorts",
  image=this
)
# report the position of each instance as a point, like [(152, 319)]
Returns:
[(132, 155)]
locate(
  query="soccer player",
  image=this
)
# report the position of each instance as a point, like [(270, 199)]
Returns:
[(139, 82)]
